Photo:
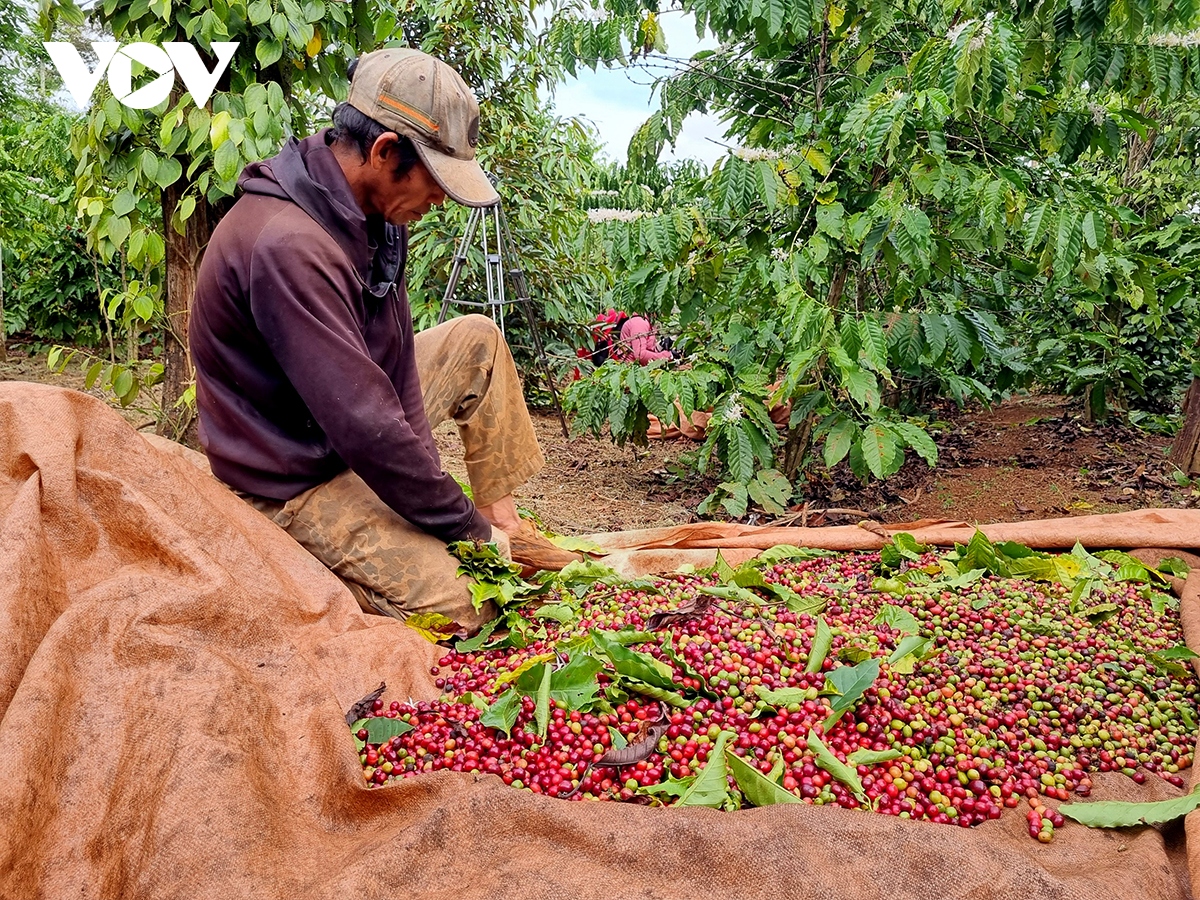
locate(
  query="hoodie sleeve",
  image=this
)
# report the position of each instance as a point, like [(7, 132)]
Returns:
[(303, 300)]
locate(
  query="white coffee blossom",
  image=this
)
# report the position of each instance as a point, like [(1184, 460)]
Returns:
[(956, 32), (754, 154), (1173, 39), (1099, 113), (852, 37), (982, 34), (596, 216), (732, 409), (779, 254)]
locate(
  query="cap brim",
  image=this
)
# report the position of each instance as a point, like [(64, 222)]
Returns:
[(462, 179)]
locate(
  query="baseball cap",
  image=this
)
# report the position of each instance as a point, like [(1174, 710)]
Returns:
[(423, 99)]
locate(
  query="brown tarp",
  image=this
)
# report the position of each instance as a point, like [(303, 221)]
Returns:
[(174, 677)]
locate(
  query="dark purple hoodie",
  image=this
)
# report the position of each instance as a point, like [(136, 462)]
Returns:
[(302, 339)]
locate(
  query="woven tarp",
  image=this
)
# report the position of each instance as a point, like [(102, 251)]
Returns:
[(173, 683)]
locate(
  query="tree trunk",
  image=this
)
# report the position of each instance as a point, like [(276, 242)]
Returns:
[(178, 420), (1185, 452), (798, 439)]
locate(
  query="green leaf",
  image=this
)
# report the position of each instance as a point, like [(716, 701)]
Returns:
[(259, 11), (470, 645), (587, 571), (821, 643), (863, 386), (781, 552), (186, 207), (579, 544), (1117, 814), (878, 449), (1102, 612), (268, 52), (1034, 567), (893, 586), (433, 627), (757, 788), (966, 579), (618, 739), (502, 714), (124, 203), (143, 307), (898, 549), (850, 682), (1179, 652), (868, 757), (123, 383), (669, 697), (1172, 565), (723, 570), (562, 613), (633, 664), (573, 687), (904, 658), (896, 617), (771, 491), (838, 441), (169, 169), (918, 439), (218, 128), (812, 604), (227, 161), (1092, 230), (381, 729), (711, 786), (782, 696), (533, 661), (541, 709), (118, 229), (835, 767)]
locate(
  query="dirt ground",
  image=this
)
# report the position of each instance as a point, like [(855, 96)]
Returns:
[(1030, 457)]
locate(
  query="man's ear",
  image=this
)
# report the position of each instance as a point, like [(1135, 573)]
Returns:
[(382, 149)]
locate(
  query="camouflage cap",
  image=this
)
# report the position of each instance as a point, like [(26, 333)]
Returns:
[(423, 99)]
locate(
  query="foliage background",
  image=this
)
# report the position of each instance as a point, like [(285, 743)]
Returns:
[(931, 201)]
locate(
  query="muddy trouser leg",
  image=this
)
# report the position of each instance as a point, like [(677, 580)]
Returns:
[(468, 375), (391, 566)]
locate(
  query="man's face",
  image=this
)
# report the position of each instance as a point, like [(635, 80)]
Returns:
[(404, 199), (410, 196)]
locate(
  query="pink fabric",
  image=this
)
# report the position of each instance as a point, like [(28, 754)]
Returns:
[(640, 342)]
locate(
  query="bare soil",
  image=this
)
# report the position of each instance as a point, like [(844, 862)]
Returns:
[(1030, 457)]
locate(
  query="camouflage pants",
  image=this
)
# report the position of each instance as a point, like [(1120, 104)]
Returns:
[(391, 566)]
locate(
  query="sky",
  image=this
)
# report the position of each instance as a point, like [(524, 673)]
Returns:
[(618, 101)]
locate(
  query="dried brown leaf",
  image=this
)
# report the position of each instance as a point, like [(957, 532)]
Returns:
[(363, 707)]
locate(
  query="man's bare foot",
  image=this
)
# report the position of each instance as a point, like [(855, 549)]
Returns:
[(502, 514), (536, 553)]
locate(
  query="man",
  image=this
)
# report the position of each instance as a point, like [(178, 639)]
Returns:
[(316, 399)]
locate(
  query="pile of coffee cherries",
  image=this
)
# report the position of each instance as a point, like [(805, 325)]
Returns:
[(1017, 697)]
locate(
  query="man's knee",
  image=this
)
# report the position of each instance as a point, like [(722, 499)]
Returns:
[(476, 330)]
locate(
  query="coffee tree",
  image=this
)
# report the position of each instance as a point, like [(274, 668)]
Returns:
[(913, 179)]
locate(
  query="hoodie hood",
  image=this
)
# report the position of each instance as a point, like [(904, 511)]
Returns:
[(308, 174)]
